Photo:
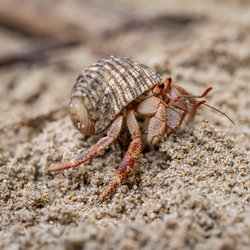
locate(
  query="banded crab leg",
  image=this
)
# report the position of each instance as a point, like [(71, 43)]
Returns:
[(127, 163), (103, 143)]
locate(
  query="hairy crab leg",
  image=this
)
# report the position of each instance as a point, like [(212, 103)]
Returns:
[(127, 163), (103, 143)]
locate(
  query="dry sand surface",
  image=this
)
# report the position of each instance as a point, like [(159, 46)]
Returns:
[(192, 191)]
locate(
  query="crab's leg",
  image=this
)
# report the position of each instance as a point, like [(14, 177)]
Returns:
[(103, 143), (149, 106), (157, 125), (155, 108), (174, 119), (127, 163)]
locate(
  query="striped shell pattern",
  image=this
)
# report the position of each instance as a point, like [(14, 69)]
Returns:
[(105, 88)]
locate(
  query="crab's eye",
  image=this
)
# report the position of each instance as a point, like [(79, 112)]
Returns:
[(161, 86)]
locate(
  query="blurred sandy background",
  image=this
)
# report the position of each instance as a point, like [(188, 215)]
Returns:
[(190, 192)]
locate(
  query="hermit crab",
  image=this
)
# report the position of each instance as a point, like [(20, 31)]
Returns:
[(111, 93)]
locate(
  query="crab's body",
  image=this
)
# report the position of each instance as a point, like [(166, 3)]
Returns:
[(109, 93)]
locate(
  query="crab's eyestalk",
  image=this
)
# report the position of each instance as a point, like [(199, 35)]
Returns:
[(162, 86), (80, 116)]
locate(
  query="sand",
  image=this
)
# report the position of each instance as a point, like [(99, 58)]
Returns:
[(192, 191)]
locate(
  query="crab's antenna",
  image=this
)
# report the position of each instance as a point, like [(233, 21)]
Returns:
[(219, 111), (205, 93), (176, 99), (203, 102), (211, 107)]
